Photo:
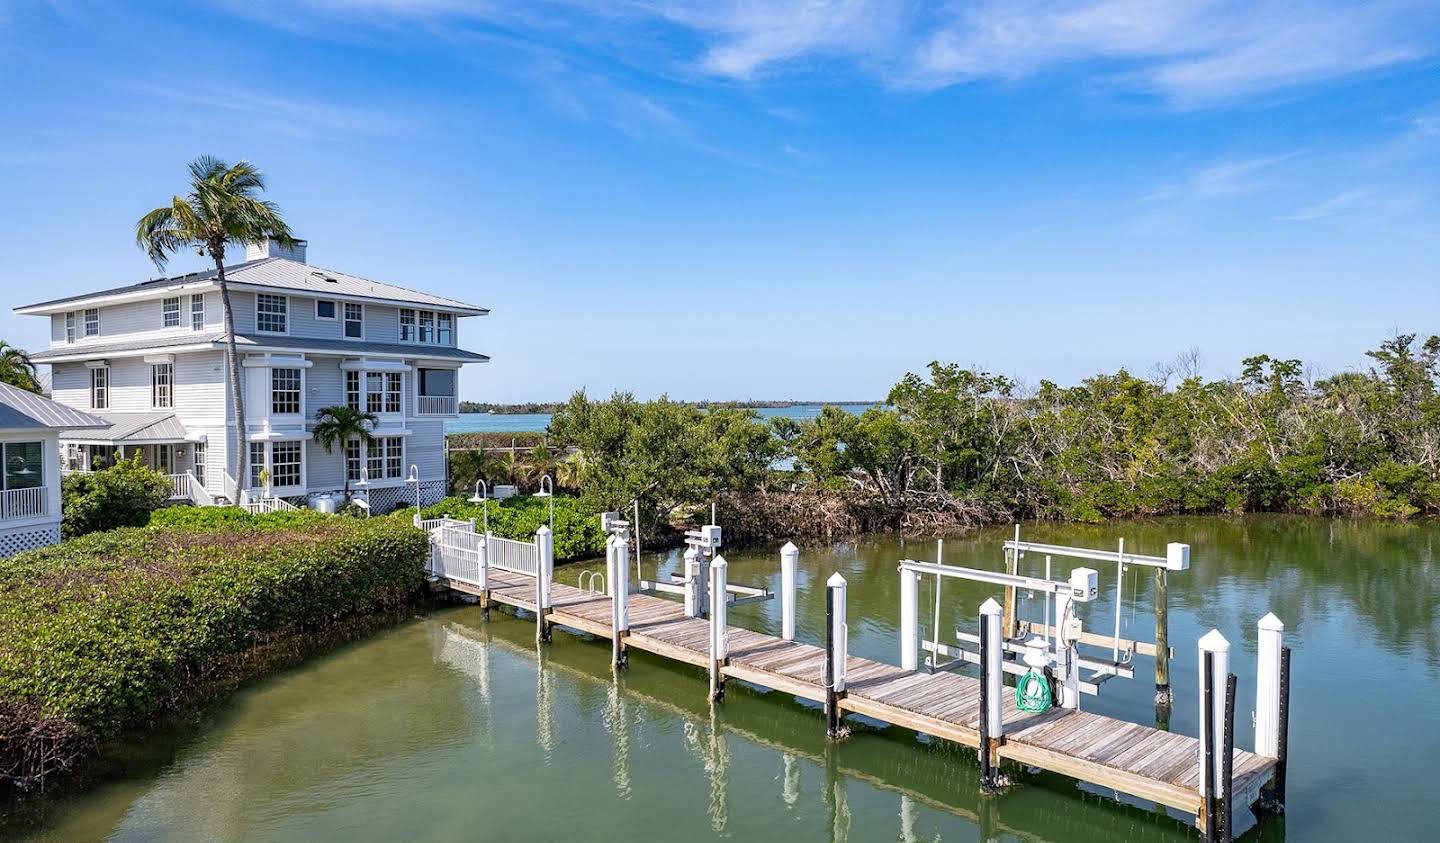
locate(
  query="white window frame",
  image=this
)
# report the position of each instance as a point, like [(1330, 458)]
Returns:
[(71, 325), (357, 392), (334, 309), (162, 389), (165, 459), (198, 462), (299, 464), (355, 460), (284, 313), (299, 391), (100, 388), (444, 325), (170, 312), (267, 461), (256, 466), (414, 325), (92, 320), (421, 316), (197, 309), (346, 321)]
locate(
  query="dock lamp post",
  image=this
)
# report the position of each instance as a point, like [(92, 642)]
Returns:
[(415, 479), (542, 493), (484, 501)]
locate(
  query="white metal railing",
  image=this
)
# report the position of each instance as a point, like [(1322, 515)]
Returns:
[(179, 486), (24, 503), (515, 556), (437, 405), (262, 506), (456, 552)]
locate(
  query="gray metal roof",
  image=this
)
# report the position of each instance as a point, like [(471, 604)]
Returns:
[(350, 348), (286, 274), (132, 429), (92, 351), (26, 410)]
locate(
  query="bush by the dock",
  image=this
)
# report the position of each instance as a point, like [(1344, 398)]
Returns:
[(103, 633), (577, 528), (123, 495)]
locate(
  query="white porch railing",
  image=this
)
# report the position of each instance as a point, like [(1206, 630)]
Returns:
[(24, 503), (517, 556), (179, 486), (199, 495), (262, 506), (456, 552), (437, 405)]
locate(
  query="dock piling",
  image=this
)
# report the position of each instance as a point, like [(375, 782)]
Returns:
[(718, 571), (909, 618), (789, 560), (1267, 686), (992, 726), (1227, 764), (618, 577), (836, 651), (545, 572), (1214, 663), (482, 575)]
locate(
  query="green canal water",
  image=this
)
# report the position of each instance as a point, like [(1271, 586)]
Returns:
[(448, 727)]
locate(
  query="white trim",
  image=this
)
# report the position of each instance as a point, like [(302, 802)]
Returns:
[(80, 355), (121, 297), (345, 321), (361, 364), (271, 361), (283, 297), (156, 359), (335, 306)]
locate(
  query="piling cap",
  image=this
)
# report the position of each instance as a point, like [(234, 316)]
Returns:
[(692, 553), (1214, 642), (719, 562), (544, 528), (835, 581), (789, 548), (990, 607), (1272, 623)]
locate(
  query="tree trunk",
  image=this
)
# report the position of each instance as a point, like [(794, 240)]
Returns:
[(237, 396)]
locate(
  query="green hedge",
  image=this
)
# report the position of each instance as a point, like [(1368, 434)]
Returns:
[(219, 517), (103, 631), (577, 529)]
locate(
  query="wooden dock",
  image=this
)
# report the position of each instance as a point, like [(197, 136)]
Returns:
[(1144, 762)]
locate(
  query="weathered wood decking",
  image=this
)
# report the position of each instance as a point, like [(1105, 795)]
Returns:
[(1144, 762)]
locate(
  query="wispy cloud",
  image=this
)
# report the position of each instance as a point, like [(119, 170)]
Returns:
[(297, 117), (1336, 204), (1223, 178)]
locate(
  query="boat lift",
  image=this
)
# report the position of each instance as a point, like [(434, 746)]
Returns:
[(701, 548), (1055, 649)]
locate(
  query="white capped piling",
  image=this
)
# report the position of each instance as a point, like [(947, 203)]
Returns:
[(719, 568), (992, 687), (544, 573), (617, 575), (909, 617), (482, 573), (789, 560), (694, 584), (1214, 667), (836, 651), (1267, 687)]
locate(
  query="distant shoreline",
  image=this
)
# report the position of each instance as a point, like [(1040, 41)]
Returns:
[(551, 407)]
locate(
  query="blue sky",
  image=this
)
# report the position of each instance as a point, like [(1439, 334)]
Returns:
[(748, 199)]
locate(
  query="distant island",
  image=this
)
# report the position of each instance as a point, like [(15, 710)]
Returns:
[(552, 406)]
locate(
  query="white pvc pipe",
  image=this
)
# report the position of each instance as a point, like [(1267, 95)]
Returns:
[(1214, 642), (718, 569), (840, 631), (990, 618), (789, 559), (1267, 687), (545, 544), (909, 620)]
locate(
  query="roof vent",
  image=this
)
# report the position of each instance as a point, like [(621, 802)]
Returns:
[(272, 249), (326, 278)]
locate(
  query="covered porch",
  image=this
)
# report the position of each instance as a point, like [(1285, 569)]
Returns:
[(160, 441)]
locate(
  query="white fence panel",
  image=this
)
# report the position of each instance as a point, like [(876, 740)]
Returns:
[(456, 553), (515, 556)]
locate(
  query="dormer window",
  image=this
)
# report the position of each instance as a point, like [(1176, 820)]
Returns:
[(271, 314), (170, 312)]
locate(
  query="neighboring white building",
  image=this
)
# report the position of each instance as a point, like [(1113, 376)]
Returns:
[(150, 359), (30, 427)]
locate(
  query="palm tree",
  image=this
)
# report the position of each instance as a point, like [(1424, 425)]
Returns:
[(221, 208), (571, 471), (340, 425), (16, 368)]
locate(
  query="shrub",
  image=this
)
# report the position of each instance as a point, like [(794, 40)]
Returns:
[(577, 528), (102, 632), (123, 495), (218, 517)]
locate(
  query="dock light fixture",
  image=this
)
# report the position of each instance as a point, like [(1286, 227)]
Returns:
[(484, 501), (541, 493), (415, 478)]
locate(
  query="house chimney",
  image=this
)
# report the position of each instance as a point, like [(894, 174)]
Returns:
[(272, 249)]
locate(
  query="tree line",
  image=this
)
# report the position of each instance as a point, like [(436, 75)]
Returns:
[(956, 446)]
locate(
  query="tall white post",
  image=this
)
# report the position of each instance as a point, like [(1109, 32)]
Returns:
[(836, 650), (482, 561), (991, 614), (789, 559), (841, 630), (909, 618), (544, 573), (1213, 643), (694, 587), (617, 575), (1267, 687), (1066, 667), (718, 651)]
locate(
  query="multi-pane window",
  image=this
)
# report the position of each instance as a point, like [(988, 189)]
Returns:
[(354, 320), (427, 326), (374, 392), (284, 391), (270, 313), (70, 326), (24, 469), (100, 388), (407, 325), (200, 465), (257, 462), (165, 459), (352, 460), (444, 328), (376, 461), (170, 312), (352, 390), (285, 464), (92, 322), (162, 385), (392, 392), (394, 456), (324, 309), (197, 312)]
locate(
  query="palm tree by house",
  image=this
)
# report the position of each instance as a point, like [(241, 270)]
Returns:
[(17, 369), (222, 208), (341, 424)]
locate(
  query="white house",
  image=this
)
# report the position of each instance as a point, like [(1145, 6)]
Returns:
[(30, 428), (150, 359)]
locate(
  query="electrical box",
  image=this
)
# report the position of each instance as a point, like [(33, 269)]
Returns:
[(1177, 557), (1084, 584), (606, 518), (1072, 631), (711, 534)]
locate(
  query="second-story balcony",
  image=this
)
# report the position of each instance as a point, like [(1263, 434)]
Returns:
[(439, 405), (436, 394)]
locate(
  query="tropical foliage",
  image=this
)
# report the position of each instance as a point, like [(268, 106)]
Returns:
[(17, 369), (222, 209), (338, 425), (577, 527), (123, 495)]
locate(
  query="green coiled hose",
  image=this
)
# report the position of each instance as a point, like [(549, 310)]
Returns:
[(1032, 692)]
